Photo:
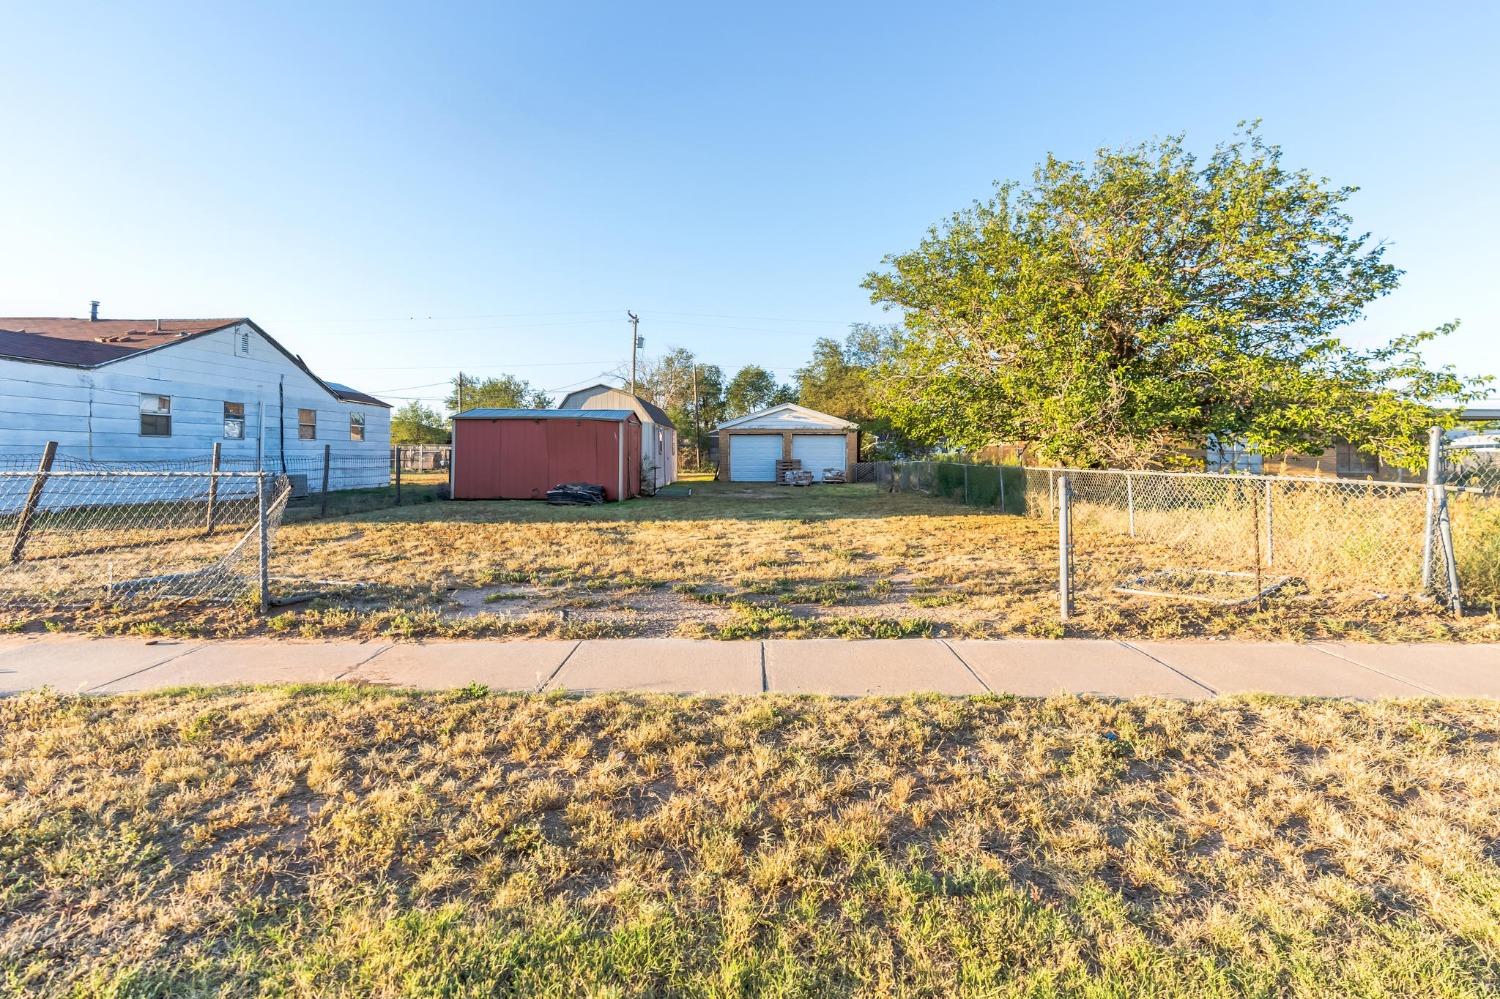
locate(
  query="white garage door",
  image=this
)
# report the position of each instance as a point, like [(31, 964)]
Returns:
[(753, 457), (819, 451)]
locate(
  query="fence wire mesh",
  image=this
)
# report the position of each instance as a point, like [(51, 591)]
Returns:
[(1228, 538), (86, 535)]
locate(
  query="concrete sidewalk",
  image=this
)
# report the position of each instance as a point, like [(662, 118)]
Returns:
[(847, 668)]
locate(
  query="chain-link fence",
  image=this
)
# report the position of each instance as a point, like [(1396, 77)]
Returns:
[(1235, 538), (80, 535)]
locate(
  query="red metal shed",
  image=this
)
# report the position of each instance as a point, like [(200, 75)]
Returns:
[(521, 453)]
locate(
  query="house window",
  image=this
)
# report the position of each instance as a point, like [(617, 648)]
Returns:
[(356, 426), (156, 416), (1351, 462), (234, 421), (307, 424)]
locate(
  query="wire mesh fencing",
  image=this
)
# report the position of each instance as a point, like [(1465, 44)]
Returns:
[(1238, 538), (85, 535)]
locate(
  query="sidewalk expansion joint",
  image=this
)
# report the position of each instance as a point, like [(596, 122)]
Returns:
[(977, 678), (144, 669), (553, 675), (1377, 672), (1190, 679)]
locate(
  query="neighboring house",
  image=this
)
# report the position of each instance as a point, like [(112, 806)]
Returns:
[(163, 390), (658, 432), (750, 446), (522, 453)]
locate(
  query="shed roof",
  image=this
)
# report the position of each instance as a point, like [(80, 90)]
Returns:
[(649, 411), (607, 415), (789, 416)]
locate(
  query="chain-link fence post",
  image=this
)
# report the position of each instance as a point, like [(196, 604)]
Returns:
[(1130, 501), (1434, 474), (1270, 528), (1064, 549), (327, 461), (1445, 532), (263, 534), (398, 475), (33, 500), (1000, 474), (966, 484), (213, 490)]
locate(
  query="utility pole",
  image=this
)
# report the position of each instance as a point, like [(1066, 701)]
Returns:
[(697, 426), (635, 343), (460, 391)]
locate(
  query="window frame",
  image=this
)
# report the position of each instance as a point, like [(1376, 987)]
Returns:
[(162, 413), (307, 431), (357, 419), (231, 419)]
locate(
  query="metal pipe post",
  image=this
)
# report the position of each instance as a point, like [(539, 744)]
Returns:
[(1434, 459), (1130, 501), (1064, 549), (263, 521), (213, 489)]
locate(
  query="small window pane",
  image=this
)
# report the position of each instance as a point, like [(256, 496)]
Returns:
[(156, 416), (356, 426), (307, 424), (234, 421)]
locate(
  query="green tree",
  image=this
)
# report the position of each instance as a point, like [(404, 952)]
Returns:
[(500, 392), (842, 379), (754, 388), (1117, 312), (691, 392), (417, 423)]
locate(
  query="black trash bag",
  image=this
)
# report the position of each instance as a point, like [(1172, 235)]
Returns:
[(575, 494)]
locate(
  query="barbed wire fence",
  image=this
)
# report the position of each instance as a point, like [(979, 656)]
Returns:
[(1239, 539)]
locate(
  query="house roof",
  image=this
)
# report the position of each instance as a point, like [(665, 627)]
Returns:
[(650, 411), (90, 343), (348, 394), (607, 415), (788, 416), (86, 343)]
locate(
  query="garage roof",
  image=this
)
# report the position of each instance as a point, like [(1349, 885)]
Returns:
[(608, 415), (789, 416)]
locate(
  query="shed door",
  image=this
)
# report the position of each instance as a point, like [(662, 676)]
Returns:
[(753, 457), (820, 451)]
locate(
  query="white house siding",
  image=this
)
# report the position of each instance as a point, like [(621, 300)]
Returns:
[(94, 413)]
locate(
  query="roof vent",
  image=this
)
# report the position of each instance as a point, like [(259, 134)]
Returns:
[(94, 311), (158, 326)]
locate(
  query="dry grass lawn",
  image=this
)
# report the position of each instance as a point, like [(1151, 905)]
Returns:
[(736, 561), (356, 842)]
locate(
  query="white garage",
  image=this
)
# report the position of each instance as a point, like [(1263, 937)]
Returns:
[(820, 451), (750, 447), (753, 457)]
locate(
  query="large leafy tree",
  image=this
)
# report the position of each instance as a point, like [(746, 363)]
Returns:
[(842, 380), (417, 423), (754, 388), (500, 392), (691, 392), (1116, 312)]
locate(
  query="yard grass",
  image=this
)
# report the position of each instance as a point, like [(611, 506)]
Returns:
[(327, 841), (737, 561)]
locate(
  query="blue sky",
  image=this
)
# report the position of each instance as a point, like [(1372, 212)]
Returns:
[(400, 191)]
